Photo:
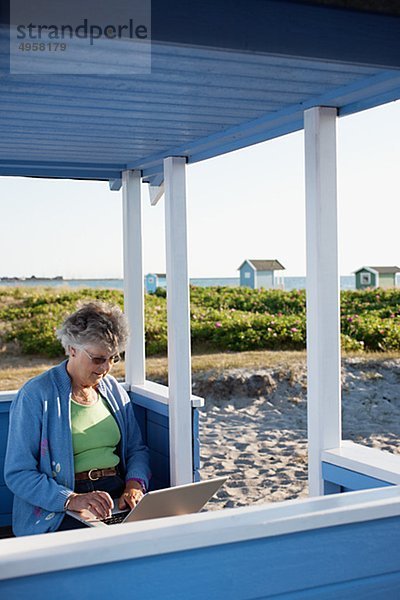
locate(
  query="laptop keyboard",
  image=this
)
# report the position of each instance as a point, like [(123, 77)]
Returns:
[(117, 518)]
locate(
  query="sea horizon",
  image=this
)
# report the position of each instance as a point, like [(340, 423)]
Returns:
[(347, 282)]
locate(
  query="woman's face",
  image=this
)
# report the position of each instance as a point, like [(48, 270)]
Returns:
[(88, 365)]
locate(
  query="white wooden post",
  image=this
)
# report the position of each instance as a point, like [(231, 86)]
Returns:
[(323, 290), (178, 307), (133, 276)]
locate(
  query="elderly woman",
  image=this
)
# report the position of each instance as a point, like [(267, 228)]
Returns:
[(74, 442)]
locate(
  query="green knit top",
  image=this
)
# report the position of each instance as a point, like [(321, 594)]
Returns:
[(95, 436)]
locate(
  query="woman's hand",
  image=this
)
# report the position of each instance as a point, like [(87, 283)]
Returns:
[(133, 493), (99, 503)]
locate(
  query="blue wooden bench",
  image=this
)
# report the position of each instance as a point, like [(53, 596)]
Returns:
[(329, 548), (152, 416)]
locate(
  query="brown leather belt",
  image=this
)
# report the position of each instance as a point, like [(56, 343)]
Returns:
[(95, 474)]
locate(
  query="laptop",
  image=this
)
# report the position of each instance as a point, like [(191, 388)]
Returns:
[(167, 502)]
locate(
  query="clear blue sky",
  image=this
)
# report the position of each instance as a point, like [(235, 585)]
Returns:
[(247, 204)]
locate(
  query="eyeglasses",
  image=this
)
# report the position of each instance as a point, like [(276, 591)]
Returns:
[(99, 360)]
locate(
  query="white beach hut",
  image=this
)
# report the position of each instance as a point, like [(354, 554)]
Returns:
[(223, 77)]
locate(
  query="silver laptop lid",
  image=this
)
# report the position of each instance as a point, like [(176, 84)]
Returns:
[(178, 500)]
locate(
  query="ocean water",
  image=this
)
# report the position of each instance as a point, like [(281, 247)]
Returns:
[(347, 282)]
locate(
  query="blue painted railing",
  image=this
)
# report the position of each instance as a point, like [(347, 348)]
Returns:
[(333, 547), (338, 479), (353, 467)]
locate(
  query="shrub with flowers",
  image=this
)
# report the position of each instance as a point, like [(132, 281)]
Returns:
[(221, 318), (372, 318), (34, 315)]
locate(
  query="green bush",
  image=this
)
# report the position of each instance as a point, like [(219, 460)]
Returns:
[(221, 318), (34, 319), (248, 300)]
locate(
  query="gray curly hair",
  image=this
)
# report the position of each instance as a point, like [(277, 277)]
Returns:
[(95, 322)]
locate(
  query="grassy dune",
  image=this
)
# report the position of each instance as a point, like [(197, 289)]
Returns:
[(231, 328), (15, 369)]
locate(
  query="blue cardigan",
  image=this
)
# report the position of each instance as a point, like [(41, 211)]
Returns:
[(39, 464)]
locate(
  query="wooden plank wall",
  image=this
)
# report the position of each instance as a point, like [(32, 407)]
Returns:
[(5, 494), (158, 443), (196, 444), (153, 418)]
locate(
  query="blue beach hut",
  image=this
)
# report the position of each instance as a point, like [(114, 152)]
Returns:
[(154, 280), (221, 77)]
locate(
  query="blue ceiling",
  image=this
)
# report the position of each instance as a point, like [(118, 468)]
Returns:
[(203, 97)]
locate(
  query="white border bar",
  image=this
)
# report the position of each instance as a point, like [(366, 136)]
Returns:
[(8, 396), (160, 393), (323, 291)]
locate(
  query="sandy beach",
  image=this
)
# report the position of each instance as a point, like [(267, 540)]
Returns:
[(254, 425)]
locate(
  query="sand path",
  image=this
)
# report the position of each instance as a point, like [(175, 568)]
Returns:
[(254, 426)]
